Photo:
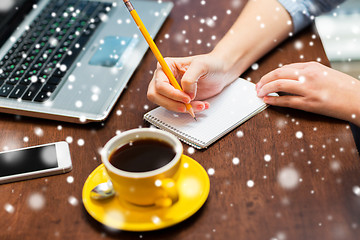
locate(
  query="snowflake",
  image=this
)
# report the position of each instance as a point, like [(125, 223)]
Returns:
[(250, 183), (356, 190), (81, 142), (239, 134), (299, 134), (73, 201), (255, 66), (288, 178), (267, 158), (9, 208), (78, 104), (191, 150), (39, 132), (70, 179), (36, 201), (236, 161), (69, 139)]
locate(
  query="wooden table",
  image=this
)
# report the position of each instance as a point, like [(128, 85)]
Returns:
[(319, 152)]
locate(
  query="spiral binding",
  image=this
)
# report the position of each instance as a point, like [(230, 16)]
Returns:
[(194, 142)]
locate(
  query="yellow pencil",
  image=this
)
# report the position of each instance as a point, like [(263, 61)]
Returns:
[(156, 51)]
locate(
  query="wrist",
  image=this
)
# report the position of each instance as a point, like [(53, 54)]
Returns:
[(232, 60)]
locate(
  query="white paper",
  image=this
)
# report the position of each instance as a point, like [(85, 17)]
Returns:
[(234, 105)]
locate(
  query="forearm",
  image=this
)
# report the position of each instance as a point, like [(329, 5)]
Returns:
[(261, 26)]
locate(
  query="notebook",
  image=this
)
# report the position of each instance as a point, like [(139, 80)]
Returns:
[(70, 60), (236, 104)]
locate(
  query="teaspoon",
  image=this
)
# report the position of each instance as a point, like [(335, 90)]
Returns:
[(102, 191)]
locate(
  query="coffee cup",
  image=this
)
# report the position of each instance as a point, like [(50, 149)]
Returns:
[(143, 166)]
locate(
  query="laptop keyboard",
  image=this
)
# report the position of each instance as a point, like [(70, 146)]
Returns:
[(37, 62)]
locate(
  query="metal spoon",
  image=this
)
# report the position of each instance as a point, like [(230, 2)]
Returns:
[(102, 191)]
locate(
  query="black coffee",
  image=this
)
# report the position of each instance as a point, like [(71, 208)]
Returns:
[(142, 155)]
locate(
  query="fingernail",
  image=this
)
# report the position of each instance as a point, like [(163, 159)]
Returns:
[(201, 107), (207, 105), (187, 100)]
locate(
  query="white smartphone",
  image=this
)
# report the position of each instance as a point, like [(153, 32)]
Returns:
[(33, 162)]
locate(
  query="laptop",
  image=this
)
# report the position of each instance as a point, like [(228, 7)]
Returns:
[(70, 60), (339, 31)]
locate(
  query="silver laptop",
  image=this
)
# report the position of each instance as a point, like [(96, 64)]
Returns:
[(70, 60), (339, 31)]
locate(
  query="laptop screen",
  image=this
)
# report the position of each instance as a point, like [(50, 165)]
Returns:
[(12, 12)]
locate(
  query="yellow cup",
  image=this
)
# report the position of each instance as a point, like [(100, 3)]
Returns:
[(155, 187)]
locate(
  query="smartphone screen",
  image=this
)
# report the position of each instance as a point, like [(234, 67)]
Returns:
[(28, 160)]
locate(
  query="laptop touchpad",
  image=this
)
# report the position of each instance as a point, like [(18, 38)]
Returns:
[(113, 51)]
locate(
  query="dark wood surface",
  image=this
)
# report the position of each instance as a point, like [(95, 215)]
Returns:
[(322, 206)]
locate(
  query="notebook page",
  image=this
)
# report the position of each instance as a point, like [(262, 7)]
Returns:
[(235, 104)]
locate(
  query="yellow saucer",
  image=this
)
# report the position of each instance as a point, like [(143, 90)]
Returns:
[(193, 185)]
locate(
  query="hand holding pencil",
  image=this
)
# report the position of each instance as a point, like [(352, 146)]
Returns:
[(156, 52)]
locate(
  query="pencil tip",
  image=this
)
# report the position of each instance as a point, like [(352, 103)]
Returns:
[(195, 118)]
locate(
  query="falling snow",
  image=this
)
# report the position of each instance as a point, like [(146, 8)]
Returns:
[(70, 179), (298, 45), (288, 178), (78, 104), (158, 182), (210, 23), (239, 134), (81, 142), (250, 183), (36, 201), (71, 78), (9, 208), (191, 150), (335, 165), (235, 3), (156, 220), (39, 132), (255, 66), (82, 119), (73, 201), (356, 190), (299, 134), (69, 139), (267, 158)]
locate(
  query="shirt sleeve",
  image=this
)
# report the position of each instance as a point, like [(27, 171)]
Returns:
[(303, 12)]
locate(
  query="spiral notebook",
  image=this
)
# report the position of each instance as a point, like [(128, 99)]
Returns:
[(236, 104)]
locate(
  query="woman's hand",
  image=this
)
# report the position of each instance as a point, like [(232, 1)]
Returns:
[(200, 77), (313, 88)]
